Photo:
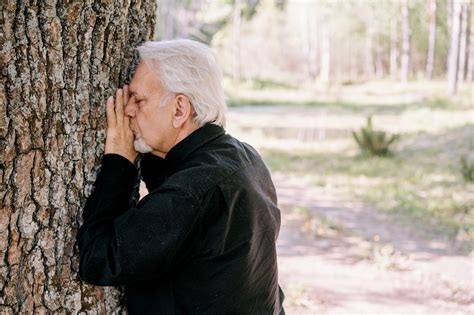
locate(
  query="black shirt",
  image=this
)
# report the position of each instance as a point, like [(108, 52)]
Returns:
[(201, 242)]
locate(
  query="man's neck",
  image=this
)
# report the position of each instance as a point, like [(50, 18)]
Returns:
[(185, 131)]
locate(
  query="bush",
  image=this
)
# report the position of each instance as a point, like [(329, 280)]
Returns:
[(467, 168), (373, 142)]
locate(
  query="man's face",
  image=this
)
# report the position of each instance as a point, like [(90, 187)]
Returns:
[(151, 124)]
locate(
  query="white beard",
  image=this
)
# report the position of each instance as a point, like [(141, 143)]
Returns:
[(141, 146)]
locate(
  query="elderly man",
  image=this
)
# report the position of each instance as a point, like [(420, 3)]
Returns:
[(203, 240)]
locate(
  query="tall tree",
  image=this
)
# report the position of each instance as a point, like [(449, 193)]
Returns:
[(470, 65), (369, 59), (379, 71), (431, 41), (462, 43), (325, 54), (405, 58), (453, 58), (236, 39), (393, 48), (60, 60), (168, 12), (449, 15)]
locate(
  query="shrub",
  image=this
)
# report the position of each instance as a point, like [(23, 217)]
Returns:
[(467, 168), (373, 142)]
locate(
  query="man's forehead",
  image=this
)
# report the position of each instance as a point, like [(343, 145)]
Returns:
[(143, 81)]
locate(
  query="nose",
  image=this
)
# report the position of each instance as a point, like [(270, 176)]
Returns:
[(130, 108)]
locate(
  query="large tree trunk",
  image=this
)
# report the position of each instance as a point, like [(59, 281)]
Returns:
[(453, 57), (59, 62), (462, 43), (470, 64), (405, 58), (431, 41)]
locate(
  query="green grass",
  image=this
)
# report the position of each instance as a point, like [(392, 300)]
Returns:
[(372, 98), (422, 187), (421, 184)]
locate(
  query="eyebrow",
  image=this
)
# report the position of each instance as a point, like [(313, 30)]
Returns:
[(136, 94)]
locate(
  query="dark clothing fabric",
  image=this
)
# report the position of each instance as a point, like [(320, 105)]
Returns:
[(201, 242)]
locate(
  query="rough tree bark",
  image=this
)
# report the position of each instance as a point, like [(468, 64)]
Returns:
[(59, 61)]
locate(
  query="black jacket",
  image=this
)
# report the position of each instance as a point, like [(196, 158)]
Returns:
[(201, 242)]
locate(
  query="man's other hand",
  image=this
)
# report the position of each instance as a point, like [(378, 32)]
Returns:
[(119, 137)]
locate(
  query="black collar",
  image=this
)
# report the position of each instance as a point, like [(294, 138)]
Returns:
[(184, 148), (192, 142)]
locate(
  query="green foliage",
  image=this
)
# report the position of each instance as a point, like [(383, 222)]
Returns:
[(467, 168), (419, 186), (374, 142)]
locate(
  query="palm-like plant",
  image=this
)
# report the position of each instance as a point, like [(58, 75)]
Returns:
[(374, 142)]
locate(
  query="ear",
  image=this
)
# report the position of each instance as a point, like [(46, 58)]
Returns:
[(182, 110)]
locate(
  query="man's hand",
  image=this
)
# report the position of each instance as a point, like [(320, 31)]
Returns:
[(119, 135)]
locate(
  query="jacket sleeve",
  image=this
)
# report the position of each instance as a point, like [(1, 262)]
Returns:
[(153, 171), (119, 245)]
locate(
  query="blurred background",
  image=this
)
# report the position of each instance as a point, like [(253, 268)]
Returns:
[(363, 111)]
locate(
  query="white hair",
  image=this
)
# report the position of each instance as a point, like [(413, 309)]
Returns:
[(190, 68)]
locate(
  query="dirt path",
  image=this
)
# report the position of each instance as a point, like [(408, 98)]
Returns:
[(337, 257)]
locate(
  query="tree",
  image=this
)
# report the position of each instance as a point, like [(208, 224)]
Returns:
[(462, 43), (59, 62), (405, 58), (470, 65), (453, 57), (325, 54), (431, 41), (393, 49), (236, 39), (168, 8), (369, 59)]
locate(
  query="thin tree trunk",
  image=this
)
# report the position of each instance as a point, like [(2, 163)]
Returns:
[(236, 39), (353, 60), (312, 46), (462, 44), (308, 29), (60, 62), (405, 58), (449, 25), (431, 41), (325, 54), (470, 65), (449, 16), (393, 49), (379, 61), (369, 59), (454, 49), (169, 16)]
